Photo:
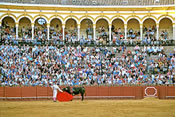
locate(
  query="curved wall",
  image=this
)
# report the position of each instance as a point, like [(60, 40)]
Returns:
[(92, 92)]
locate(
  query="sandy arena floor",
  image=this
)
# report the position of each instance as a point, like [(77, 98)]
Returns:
[(89, 108)]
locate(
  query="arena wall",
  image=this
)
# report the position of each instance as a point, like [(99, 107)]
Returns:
[(92, 92)]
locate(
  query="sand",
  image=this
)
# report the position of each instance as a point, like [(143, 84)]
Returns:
[(148, 107)]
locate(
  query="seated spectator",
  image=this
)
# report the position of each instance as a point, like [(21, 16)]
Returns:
[(131, 31)]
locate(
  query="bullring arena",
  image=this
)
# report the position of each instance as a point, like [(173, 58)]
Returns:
[(121, 51)]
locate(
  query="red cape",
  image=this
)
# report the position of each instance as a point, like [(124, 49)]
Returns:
[(64, 97)]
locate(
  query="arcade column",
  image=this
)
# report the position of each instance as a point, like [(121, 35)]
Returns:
[(141, 31), (157, 26), (17, 25), (110, 25), (63, 33), (48, 31), (94, 29), (32, 31), (125, 31), (173, 31), (78, 32)]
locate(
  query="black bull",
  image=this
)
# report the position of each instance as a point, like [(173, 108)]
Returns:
[(76, 91)]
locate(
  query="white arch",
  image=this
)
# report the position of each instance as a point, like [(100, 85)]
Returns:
[(166, 17), (39, 17), (8, 16), (71, 18), (149, 18), (56, 18), (86, 18), (133, 18), (102, 18), (118, 18), (24, 17)]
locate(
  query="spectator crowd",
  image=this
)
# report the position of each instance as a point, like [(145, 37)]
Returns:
[(41, 65)]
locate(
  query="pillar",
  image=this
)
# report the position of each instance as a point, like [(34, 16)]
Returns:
[(17, 30), (110, 32), (125, 31), (94, 31), (157, 26), (63, 34), (173, 31), (32, 31), (48, 31), (78, 32), (141, 31)]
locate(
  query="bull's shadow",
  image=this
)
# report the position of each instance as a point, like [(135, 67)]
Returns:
[(75, 91)]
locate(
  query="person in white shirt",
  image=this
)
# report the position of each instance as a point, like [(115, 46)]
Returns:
[(161, 48), (55, 87), (154, 49)]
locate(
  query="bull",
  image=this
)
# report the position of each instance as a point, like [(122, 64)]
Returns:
[(76, 91)]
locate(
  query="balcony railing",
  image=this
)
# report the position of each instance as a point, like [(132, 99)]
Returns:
[(91, 43)]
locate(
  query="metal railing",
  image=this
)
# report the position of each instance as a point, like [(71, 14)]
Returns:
[(91, 43)]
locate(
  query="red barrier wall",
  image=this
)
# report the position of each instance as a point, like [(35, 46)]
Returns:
[(112, 92), (13, 92), (139, 92), (162, 92), (42, 92), (28, 92), (49, 92), (170, 92), (92, 92), (2, 92)]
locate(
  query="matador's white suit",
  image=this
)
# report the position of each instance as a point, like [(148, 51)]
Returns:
[(55, 88)]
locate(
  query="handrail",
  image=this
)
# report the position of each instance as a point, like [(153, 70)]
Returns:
[(54, 42)]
